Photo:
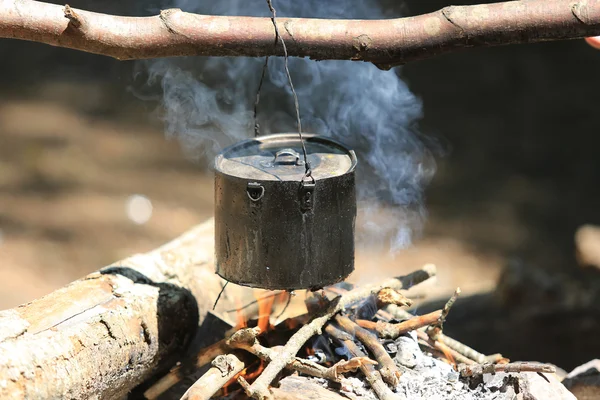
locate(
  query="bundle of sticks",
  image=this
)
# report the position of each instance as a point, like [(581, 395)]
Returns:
[(348, 319)]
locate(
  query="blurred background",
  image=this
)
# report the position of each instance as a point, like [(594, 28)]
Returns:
[(88, 177)]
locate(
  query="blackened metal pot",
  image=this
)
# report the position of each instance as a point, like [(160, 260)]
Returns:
[(276, 228)]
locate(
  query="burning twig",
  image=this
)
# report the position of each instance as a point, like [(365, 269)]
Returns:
[(462, 348), (260, 388), (392, 331), (246, 339), (480, 369), (389, 371), (224, 368), (451, 343), (451, 354), (372, 375), (343, 366), (387, 296)]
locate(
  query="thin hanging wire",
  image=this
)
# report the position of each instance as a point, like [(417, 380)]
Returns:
[(308, 173), (262, 78), (220, 293)]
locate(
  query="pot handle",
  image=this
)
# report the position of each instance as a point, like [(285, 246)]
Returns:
[(287, 153), (255, 191)]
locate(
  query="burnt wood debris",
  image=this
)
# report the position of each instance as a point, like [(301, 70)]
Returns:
[(385, 43)]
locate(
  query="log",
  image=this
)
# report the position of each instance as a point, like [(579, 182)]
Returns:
[(102, 335), (383, 42)]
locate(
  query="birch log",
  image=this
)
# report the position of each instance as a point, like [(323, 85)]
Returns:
[(102, 335)]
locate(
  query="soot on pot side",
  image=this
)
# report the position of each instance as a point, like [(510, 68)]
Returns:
[(275, 228)]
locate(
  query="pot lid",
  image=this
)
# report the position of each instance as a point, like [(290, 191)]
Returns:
[(279, 157)]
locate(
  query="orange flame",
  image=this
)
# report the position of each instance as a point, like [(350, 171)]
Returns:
[(265, 305), (242, 321), (265, 308), (248, 376)]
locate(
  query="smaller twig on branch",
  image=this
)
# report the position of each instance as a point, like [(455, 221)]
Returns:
[(392, 331), (480, 369), (224, 368), (389, 371), (75, 19), (373, 376)]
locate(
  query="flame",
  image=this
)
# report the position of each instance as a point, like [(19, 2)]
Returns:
[(242, 321), (265, 309), (254, 374), (249, 376), (265, 306)]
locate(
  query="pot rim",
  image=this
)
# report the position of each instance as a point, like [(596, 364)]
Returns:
[(286, 136)]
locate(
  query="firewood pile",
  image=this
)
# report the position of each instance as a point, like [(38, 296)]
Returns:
[(358, 343), (143, 328)]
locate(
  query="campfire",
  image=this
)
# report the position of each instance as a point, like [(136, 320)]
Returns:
[(360, 343)]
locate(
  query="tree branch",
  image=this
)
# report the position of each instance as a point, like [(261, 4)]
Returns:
[(383, 42)]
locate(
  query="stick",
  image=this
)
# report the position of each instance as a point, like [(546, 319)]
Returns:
[(260, 388), (462, 348), (392, 331), (382, 391), (205, 356), (224, 368), (101, 336), (246, 339), (480, 369), (383, 42), (450, 353), (434, 330), (389, 371), (243, 339), (387, 296)]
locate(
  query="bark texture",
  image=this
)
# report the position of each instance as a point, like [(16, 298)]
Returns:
[(102, 335), (383, 42)]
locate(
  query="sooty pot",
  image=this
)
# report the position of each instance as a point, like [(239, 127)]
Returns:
[(275, 228)]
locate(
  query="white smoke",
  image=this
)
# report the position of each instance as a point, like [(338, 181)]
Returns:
[(208, 103)]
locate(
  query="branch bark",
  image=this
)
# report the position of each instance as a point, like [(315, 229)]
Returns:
[(101, 336), (383, 42)]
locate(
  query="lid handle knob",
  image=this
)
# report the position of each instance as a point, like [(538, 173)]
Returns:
[(287, 157)]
